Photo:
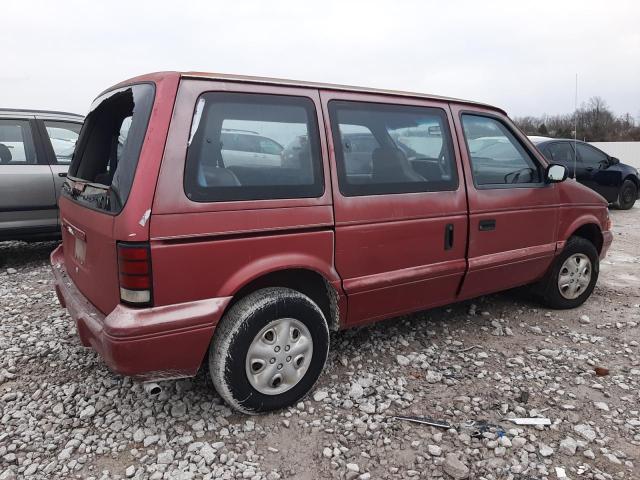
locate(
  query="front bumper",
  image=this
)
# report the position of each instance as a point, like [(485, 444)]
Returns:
[(148, 343)]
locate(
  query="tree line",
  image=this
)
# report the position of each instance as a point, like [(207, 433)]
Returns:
[(596, 122)]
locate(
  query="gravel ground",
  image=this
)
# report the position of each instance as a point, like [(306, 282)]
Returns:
[(64, 415)]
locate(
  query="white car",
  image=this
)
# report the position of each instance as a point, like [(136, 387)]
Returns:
[(243, 148)]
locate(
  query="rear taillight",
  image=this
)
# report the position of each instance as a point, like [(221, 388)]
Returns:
[(134, 269)]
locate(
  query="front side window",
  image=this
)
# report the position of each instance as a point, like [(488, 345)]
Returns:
[(63, 137), (497, 157), (16, 143), (247, 146), (109, 147), (589, 156), (387, 149), (560, 152)]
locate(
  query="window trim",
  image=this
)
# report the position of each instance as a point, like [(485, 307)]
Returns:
[(316, 190), (532, 156), (356, 190)]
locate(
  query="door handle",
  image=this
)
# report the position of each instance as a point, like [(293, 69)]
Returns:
[(589, 169), (487, 225), (62, 174), (448, 236)]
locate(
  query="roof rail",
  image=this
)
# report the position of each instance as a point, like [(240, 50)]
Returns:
[(46, 112)]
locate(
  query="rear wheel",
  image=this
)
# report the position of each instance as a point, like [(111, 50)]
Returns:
[(627, 196), (268, 350), (573, 275)]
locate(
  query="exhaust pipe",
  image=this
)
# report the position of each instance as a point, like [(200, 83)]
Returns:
[(152, 389)]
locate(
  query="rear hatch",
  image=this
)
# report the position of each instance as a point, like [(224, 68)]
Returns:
[(99, 187)]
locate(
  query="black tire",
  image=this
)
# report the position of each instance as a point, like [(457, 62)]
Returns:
[(238, 329), (552, 297), (627, 196)]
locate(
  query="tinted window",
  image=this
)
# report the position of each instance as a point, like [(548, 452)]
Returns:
[(497, 157), (560, 152), (589, 155), (109, 146), (16, 143), (236, 148), (63, 136), (385, 149)]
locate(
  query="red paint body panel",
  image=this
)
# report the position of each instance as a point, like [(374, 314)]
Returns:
[(224, 223), (100, 256), (383, 255), (522, 246), (220, 267), (390, 248), (97, 276), (153, 343)]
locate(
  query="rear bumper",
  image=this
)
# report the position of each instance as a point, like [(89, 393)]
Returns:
[(147, 343), (607, 239)]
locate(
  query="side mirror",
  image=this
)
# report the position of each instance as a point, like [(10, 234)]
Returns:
[(613, 161), (556, 173)]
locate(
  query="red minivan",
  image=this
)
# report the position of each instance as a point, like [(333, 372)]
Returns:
[(237, 220)]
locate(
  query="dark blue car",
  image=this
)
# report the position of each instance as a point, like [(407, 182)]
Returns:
[(617, 182)]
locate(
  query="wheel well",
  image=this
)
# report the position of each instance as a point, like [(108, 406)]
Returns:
[(633, 179), (308, 282), (591, 232)]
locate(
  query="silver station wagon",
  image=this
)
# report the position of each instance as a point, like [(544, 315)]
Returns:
[(35, 152)]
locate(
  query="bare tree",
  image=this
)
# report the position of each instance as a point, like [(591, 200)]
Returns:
[(596, 122)]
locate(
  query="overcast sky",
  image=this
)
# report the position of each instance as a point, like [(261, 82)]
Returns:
[(60, 54)]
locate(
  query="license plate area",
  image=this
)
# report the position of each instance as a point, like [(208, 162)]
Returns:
[(79, 241), (79, 250)]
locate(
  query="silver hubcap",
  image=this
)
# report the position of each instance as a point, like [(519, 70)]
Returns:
[(575, 275), (279, 356)]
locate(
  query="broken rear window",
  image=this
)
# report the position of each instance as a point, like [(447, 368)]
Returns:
[(106, 157)]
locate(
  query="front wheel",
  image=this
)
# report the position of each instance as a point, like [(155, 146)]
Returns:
[(268, 350), (573, 275), (627, 196)]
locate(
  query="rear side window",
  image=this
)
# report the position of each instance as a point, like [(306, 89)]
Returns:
[(560, 152), (16, 143), (109, 147), (497, 157), (253, 147), (386, 149), (63, 137)]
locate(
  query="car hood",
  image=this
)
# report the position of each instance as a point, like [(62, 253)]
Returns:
[(576, 193), (625, 169)]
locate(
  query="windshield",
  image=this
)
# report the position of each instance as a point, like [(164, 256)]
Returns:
[(104, 165)]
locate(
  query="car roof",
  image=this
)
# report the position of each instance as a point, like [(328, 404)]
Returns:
[(495, 139), (538, 140), (299, 83), (44, 114), (239, 131)]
